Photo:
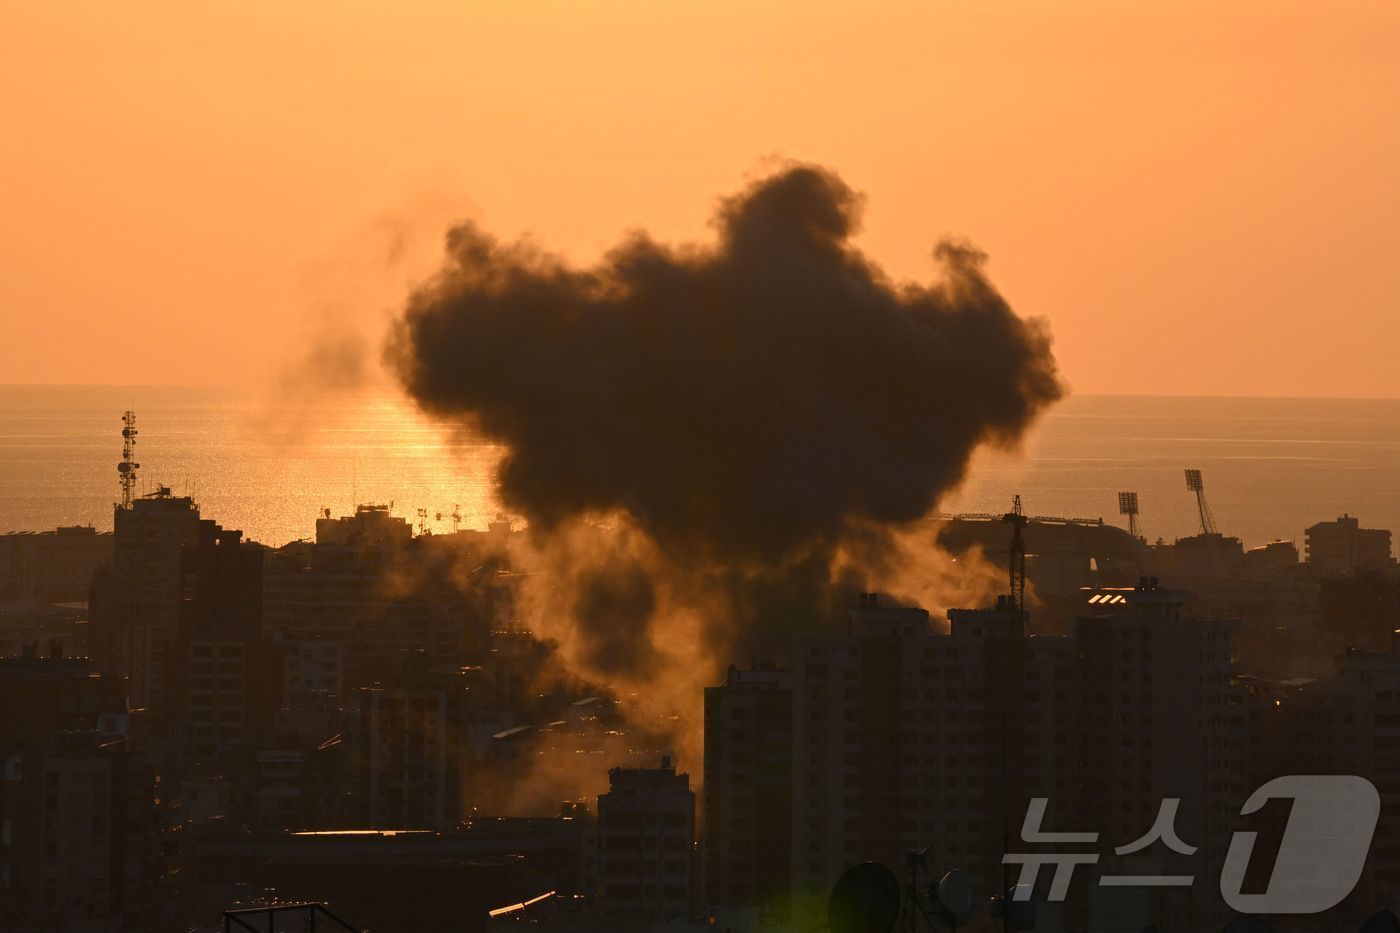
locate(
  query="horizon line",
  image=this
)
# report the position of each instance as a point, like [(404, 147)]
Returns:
[(391, 388)]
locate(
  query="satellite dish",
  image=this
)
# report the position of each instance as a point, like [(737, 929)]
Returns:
[(951, 899), (1020, 915), (865, 899), (1248, 925), (1382, 921)]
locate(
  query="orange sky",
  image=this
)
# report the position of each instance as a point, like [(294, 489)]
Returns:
[(1204, 198)]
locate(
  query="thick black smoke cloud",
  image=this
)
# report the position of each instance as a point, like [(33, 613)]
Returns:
[(750, 408)]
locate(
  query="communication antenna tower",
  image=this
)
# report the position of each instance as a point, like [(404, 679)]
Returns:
[(1017, 518), (1196, 485), (1128, 505), (422, 521), (126, 469)]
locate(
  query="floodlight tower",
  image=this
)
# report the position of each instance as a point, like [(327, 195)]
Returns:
[(128, 466), (1128, 505), (1196, 485)]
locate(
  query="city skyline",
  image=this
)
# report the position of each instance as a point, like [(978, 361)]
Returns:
[(328, 717), (700, 467)]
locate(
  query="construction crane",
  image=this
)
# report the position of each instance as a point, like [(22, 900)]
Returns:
[(456, 517), (1128, 505), (1198, 486), (997, 516), (128, 466), (1017, 563)]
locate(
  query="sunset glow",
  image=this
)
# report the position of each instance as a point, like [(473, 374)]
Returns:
[(1202, 188)]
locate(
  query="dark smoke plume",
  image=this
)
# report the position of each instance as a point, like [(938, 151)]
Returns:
[(762, 414)]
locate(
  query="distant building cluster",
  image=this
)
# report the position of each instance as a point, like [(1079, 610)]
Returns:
[(215, 695), (192, 722)]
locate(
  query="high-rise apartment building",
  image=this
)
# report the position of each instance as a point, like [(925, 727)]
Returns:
[(1157, 714), (136, 598), (646, 844), (748, 790), (76, 805), (897, 744), (906, 735), (223, 686), (1346, 721), (411, 750), (366, 592)]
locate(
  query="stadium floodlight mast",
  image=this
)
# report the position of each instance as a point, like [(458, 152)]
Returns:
[(1198, 486), (1128, 505)]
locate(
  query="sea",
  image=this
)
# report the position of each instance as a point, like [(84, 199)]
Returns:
[(270, 463)]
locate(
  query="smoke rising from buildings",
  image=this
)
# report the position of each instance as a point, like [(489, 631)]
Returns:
[(717, 444)]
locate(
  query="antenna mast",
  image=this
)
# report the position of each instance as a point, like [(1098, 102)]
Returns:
[(128, 466), (1017, 518), (1196, 485), (1128, 505)]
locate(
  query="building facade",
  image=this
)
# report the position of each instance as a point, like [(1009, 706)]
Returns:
[(646, 847), (1344, 547), (748, 790), (135, 602), (907, 735)]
